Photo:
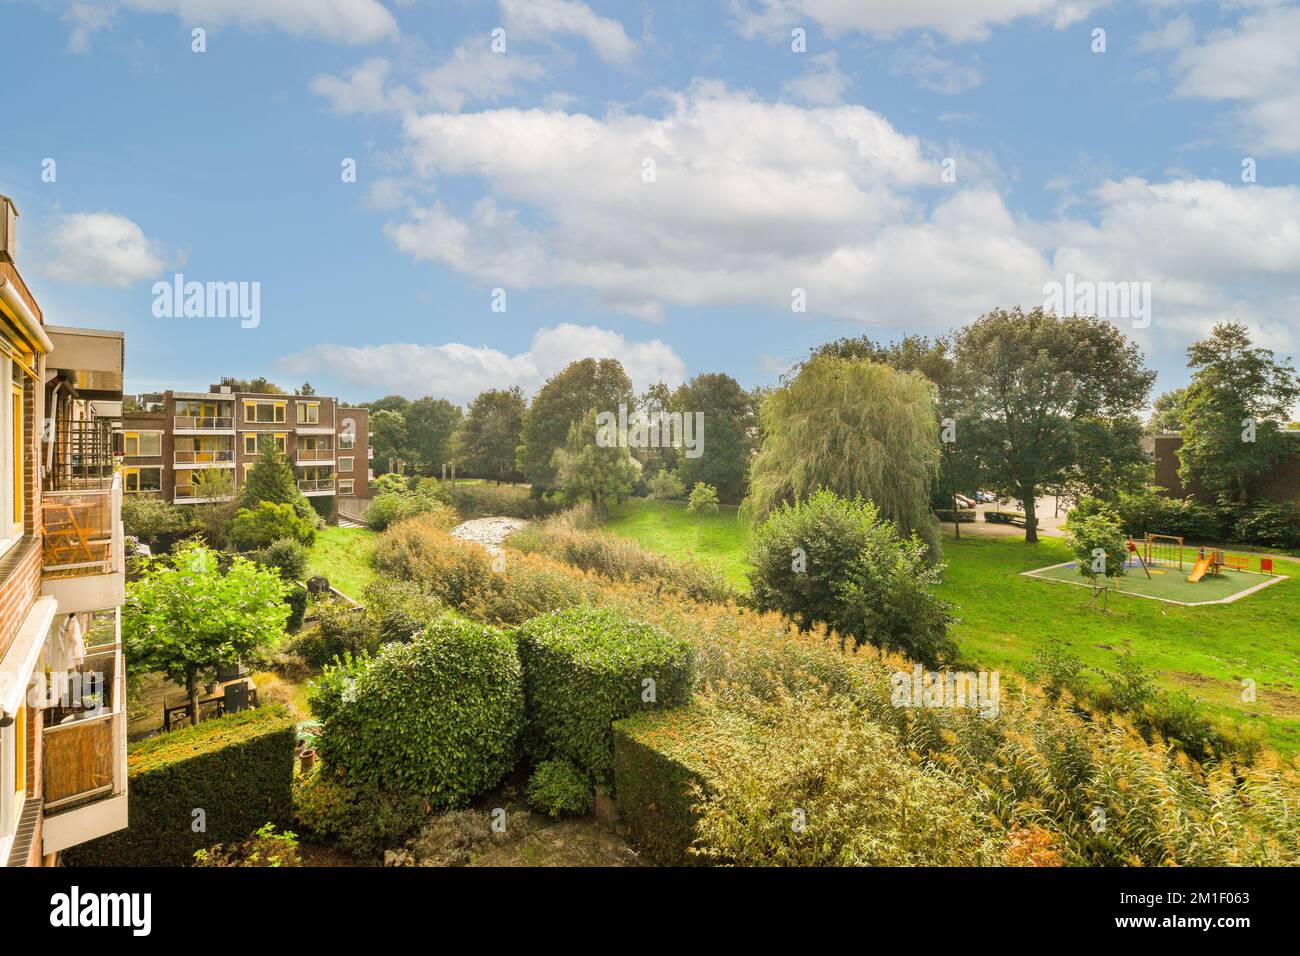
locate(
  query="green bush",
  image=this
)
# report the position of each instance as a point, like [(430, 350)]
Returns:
[(399, 610), (420, 550), (297, 601), (508, 501), (237, 770), (268, 522), (391, 507), (557, 788), (666, 486), (1004, 517), (286, 555), (1099, 545), (960, 515), (264, 848), (438, 716), (364, 820), (830, 561), (339, 629), (1273, 525), (156, 522), (703, 500), (1150, 511), (584, 668)]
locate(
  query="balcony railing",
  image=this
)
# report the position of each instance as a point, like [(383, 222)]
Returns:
[(85, 732), (204, 457), (305, 455), (203, 422), (83, 531), (315, 484), (201, 493)]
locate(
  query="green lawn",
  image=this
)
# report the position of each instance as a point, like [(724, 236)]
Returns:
[(343, 556), (668, 528)]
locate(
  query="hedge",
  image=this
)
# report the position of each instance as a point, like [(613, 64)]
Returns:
[(660, 758), (237, 768), (959, 515), (585, 668)]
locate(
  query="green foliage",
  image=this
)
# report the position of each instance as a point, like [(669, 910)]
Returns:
[(1234, 413), (272, 479), (666, 486), (1048, 401), (1147, 510), (156, 522), (834, 562), (585, 667), (340, 629), (267, 522), (565, 398), (420, 550), (287, 556), (507, 501), (1056, 668), (400, 610), (489, 435), (437, 716), (857, 428), (731, 415), (237, 769), (387, 509), (557, 788), (1099, 544), (264, 848), (1167, 412), (364, 820), (297, 601), (1274, 525), (183, 616), (703, 500), (431, 424), (592, 465)]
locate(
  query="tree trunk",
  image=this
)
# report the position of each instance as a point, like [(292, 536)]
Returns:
[(1029, 502), (192, 690)]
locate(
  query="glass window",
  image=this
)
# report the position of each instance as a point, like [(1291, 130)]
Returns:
[(309, 413), (345, 464), (264, 412), (345, 486)]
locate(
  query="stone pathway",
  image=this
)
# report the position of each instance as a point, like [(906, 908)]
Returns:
[(489, 532)]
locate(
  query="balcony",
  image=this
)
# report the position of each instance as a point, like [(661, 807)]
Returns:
[(306, 456), (219, 456), (200, 495), (84, 770), (316, 486), (203, 424), (84, 560)]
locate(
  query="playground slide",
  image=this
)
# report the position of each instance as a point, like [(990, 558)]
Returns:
[(1198, 572)]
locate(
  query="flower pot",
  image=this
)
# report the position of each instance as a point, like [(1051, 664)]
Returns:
[(306, 760)]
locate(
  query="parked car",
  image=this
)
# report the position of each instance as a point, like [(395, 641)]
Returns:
[(985, 497), (964, 501)]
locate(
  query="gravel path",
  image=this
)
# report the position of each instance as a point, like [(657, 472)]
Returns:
[(489, 532)]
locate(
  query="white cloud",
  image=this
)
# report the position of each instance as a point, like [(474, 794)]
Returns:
[(1256, 65), (933, 72), (338, 21), (1172, 35), (540, 19), (459, 372), (822, 83), (100, 248), (958, 20)]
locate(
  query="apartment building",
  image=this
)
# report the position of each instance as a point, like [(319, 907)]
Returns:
[(198, 447), (62, 579)]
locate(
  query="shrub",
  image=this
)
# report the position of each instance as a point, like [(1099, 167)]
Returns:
[(960, 515), (438, 716), (297, 601), (584, 668), (287, 556), (703, 500), (1274, 525), (156, 522), (268, 522), (831, 561), (1056, 668), (557, 788), (420, 550), (389, 508), (399, 610), (666, 486), (264, 848), (238, 769), (509, 501), (364, 820), (340, 629), (1099, 545), (1149, 510)]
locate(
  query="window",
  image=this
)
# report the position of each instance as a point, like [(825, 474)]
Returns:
[(14, 457), (345, 464), (16, 412), (264, 412), (250, 444), (347, 442), (256, 441), (309, 413), (142, 444), (345, 486), (141, 479)]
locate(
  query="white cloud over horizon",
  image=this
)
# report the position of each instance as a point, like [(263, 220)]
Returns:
[(459, 372), (100, 248)]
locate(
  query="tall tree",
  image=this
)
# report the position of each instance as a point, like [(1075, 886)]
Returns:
[(594, 467), (487, 438), (430, 424), (185, 617), (727, 439), (1037, 393), (1167, 412), (857, 428), (564, 399), (1236, 408), (272, 479), (391, 439), (655, 458)]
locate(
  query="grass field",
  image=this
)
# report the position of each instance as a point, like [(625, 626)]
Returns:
[(1005, 616), (343, 556), (668, 528)]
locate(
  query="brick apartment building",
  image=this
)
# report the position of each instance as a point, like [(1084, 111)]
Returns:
[(197, 447), (62, 579), (1281, 484)]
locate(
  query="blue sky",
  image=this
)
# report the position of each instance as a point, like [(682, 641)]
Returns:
[(525, 170)]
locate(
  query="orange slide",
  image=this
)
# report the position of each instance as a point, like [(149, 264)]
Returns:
[(1202, 565)]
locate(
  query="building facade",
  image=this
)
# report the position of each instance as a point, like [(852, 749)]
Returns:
[(62, 579), (198, 447), (1282, 483)]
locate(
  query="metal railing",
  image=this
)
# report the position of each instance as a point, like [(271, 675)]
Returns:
[(303, 455), (201, 493), (82, 531), (204, 457), (203, 422), (315, 484)]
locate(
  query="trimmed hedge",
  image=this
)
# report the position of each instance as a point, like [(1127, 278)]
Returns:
[(585, 668), (660, 759), (238, 769), (439, 716), (959, 515)]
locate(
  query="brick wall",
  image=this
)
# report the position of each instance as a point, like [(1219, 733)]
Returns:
[(1281, 484)]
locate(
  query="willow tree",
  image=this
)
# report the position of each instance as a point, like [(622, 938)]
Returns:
[(857, 428)]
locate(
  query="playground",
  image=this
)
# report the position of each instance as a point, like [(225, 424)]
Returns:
[(1162, 567)]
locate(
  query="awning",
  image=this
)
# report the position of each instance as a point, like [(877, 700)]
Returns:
[(20, 660)]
